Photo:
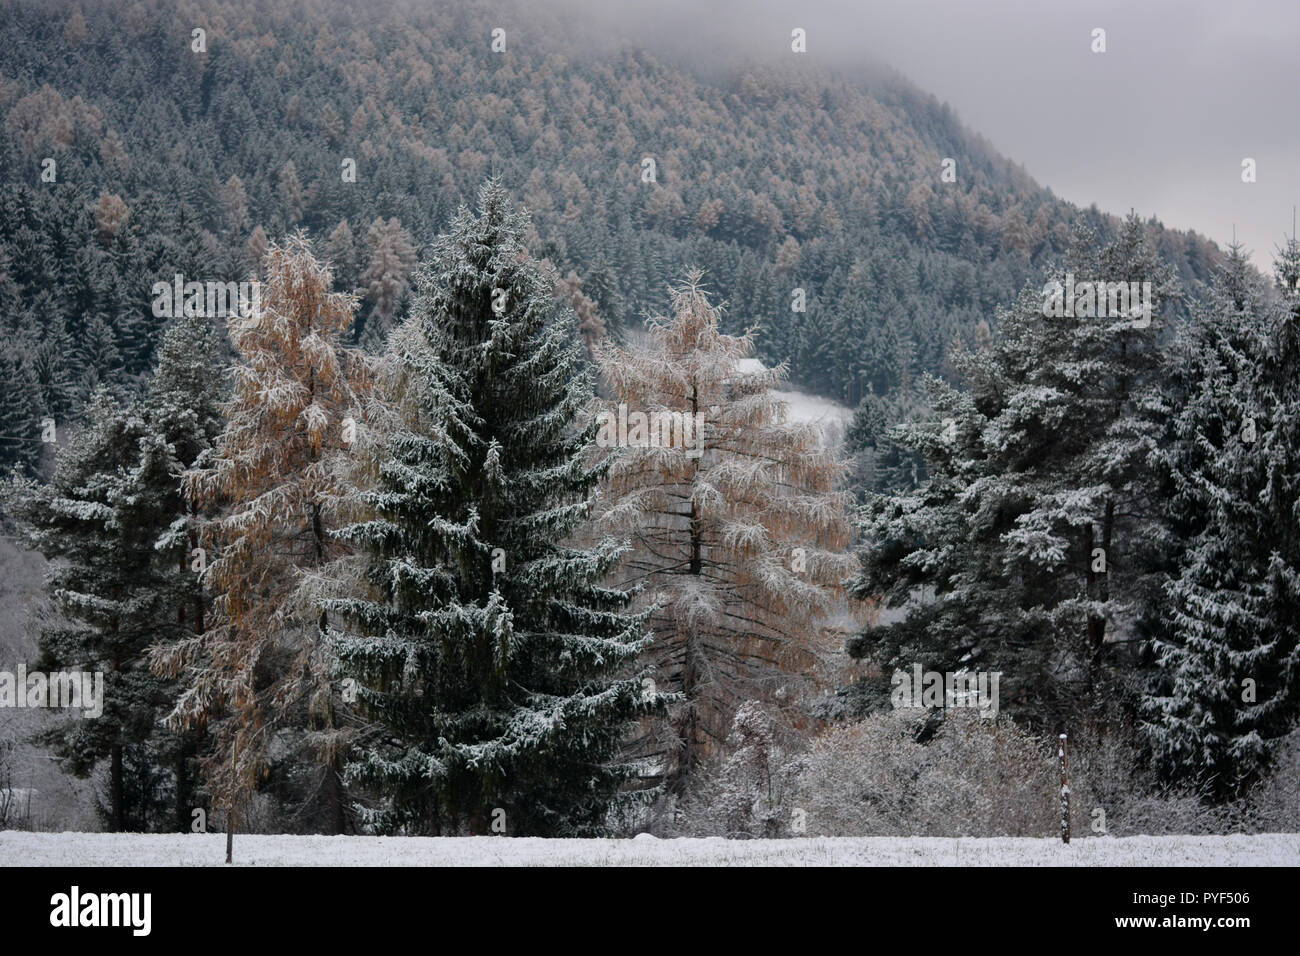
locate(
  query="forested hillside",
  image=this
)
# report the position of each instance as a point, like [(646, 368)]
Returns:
[(395, 396), (134, 148)]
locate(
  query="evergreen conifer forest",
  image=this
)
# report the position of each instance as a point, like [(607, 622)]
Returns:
[(629, 424)]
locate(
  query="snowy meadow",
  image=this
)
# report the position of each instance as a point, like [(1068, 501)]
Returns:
[(132, 850)]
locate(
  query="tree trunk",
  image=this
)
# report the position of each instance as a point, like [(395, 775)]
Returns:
[(1096, 624), (1097, 631), (690, 756), (117, 808), (184, 786), (336, 795), (182, 748), (234, 800)]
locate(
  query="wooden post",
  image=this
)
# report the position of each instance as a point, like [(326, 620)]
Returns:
[(234, 788), (1065, 793)]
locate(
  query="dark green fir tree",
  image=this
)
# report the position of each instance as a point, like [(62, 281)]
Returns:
[(115, 522), (1228, 685), (100, 549), (499, 671)]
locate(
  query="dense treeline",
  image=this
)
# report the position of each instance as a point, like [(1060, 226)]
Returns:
[(1103, 510), (389, 581), (358, 558), (401, 614), (168, 160)]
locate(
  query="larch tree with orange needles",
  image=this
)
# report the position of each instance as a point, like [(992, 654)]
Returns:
[(259, 676), (739, 528)]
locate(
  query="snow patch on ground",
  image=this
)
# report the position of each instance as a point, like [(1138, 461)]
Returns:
[(115, 849), (802, 407)]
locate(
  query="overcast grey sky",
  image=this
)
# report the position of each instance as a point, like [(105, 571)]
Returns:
[(1160, 122)]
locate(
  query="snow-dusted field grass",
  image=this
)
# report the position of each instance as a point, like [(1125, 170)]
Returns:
[(106, 849)]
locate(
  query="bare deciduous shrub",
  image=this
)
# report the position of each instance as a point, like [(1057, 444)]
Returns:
[(976, 777), (12, 811), (1108, 774), (1274, 805)]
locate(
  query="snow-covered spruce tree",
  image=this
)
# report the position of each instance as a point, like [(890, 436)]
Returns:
[(1229, 654), (738, 526), (260, 670), (183, 411), (117, 499), (876, 463), (99, 539), (20, 412), (1033, 546), (497, 667)]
